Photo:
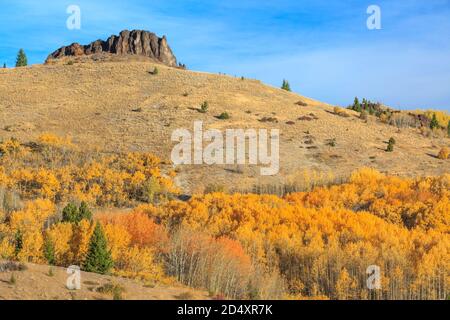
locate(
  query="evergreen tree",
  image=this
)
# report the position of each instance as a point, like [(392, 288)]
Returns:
[(70, 214), (84, 213), (49, 251), (448, 128), (357, 105), (286, 86), (4, 65), (434, 124), (98, 259), (22, 60), (18, 242)]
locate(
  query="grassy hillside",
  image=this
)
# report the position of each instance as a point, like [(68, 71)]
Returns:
[(43, 282), (122, 106)]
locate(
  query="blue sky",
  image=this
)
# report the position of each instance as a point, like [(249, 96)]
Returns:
[(322, 47)]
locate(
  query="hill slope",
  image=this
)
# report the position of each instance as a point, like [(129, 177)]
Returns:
[(122, 106), (36, 282)]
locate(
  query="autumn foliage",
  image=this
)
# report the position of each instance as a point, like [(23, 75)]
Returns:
[(316, 244)]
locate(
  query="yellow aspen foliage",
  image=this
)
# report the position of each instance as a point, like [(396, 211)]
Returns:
[(345, 286), (32, 245), (81, 235), (61, 235), (33, 216), (7, 249), (139, 263), (118, 240), (50, 139), (61, 173)]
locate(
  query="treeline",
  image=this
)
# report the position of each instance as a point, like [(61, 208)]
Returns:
[(322, 242), (425, 120)]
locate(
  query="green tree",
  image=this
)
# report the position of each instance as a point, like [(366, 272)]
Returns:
[(434, 124), (357, 105), (18, 242), (4, 65), (286, 86), (49, 251), (98, 259), (84, 213), (448, 128), (22, 60), (70, 213)]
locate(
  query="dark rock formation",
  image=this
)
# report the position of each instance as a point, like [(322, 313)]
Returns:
[(136, 42)]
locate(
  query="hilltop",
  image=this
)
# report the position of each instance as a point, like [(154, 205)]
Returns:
[(121, 105)]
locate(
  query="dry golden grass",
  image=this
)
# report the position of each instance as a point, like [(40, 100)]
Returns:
[(121, 106), (40, 282)]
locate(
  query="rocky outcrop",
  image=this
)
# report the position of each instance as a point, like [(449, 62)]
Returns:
[(136, 42)]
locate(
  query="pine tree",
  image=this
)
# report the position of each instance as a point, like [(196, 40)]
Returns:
[(70, 214), (434, 124), (4, 65), (357, 105), (98, 259), (22, 60), (84, 213), (18, 242), (286, 86), (49, 251)]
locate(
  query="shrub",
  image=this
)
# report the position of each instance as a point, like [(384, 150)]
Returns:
[(204, 107), (155, 71), (115, 290), (224, 116), (392, 141), (340, 112), (301, 103), (444, 154), (185, 296), (403, 120), (50, 272), (215, 188), (12, 279), (390, 147)]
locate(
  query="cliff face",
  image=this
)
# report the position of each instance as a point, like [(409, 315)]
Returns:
[(136, 42)]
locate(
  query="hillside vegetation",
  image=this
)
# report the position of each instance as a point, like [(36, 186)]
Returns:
[(315, 244), (124, 106)]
